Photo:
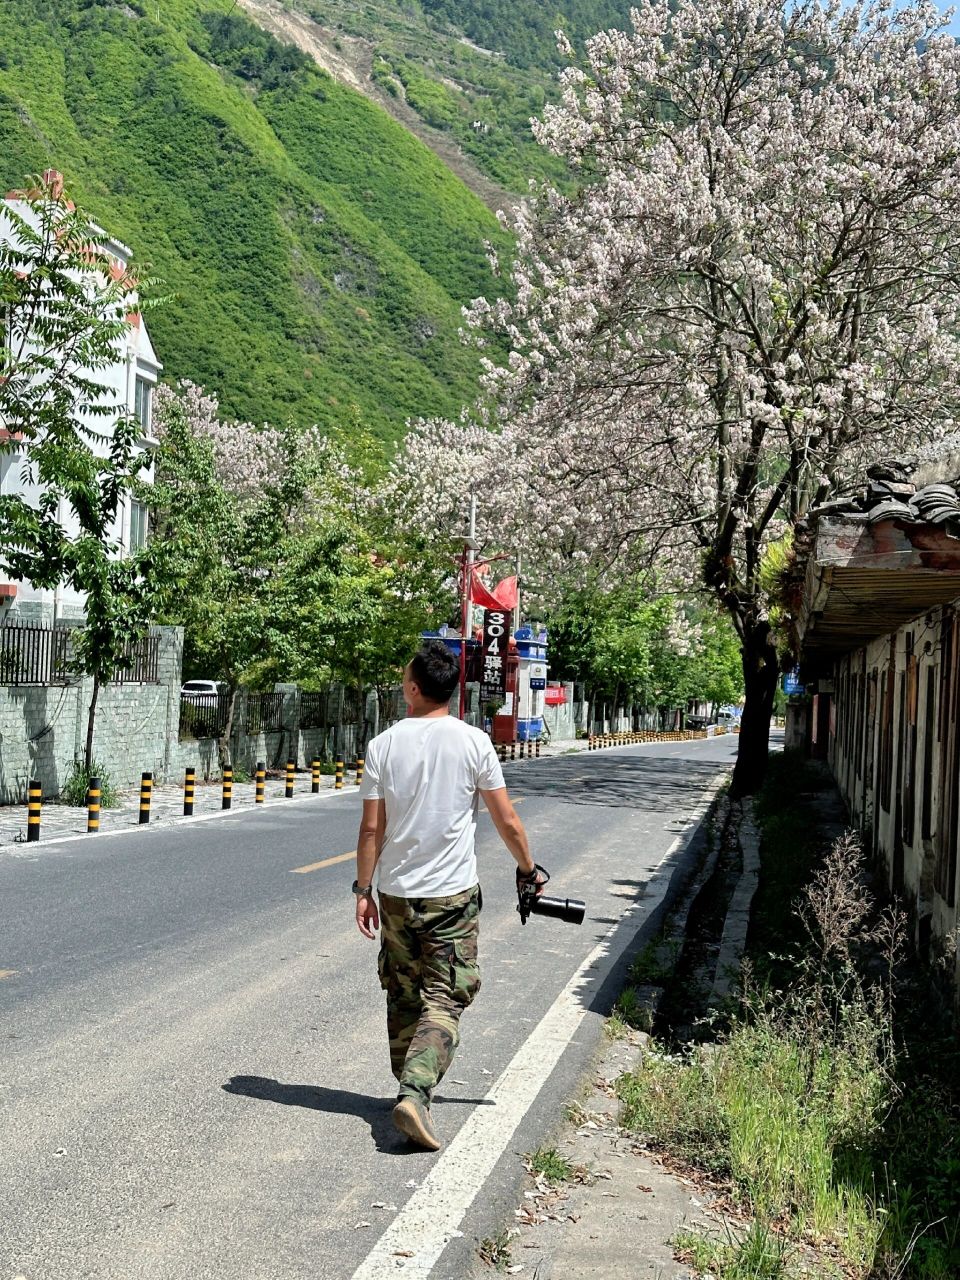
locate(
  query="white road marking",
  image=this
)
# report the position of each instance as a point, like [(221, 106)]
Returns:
[(428, 1221)]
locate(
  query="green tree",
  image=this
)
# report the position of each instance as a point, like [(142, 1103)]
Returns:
[(66, 307), (297, 580), (69, 537), (629, 645)]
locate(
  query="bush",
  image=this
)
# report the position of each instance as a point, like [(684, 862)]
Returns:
[(78, 783)]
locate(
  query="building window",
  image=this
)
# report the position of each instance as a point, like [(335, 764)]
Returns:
[(138, 525), (142, 397)]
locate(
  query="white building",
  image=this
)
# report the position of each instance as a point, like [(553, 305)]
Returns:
[(128, 384)]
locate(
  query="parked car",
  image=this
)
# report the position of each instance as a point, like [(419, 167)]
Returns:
[(729, 718), (202, 691)]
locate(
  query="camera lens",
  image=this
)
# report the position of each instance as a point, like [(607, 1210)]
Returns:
[(569, 910)]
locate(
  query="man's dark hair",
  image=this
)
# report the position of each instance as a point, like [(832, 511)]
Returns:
[(436, 670)]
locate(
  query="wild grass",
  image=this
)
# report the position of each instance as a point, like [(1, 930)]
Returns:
[(758, 1253), (819, 1106), (77, 785), (549, 1164)]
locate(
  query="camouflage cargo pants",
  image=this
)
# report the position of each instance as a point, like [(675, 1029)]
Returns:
[(428, 968)]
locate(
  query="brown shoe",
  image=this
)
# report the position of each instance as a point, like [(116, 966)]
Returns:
[(412, 1118)]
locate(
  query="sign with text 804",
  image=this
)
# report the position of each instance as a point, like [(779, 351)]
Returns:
[(496, 642)]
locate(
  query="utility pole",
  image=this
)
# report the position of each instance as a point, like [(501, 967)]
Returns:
[(516, 612), (469, 548)]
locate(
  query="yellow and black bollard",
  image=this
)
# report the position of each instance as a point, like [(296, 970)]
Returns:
[(34, 804), (291, 772), (260, 783), (513, 749), (315, 777), (227, 795), (359, 771), (338, 776), (537, 749), (93, 804), (189, 785), (146, 791)]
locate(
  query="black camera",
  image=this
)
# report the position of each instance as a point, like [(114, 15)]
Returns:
[(570, 910)]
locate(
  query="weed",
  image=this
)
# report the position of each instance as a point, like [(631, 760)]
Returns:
[(495, 1250), (547, 1163), (655, 963), (575, 1114), (633, 1010), (78, 784), (673, 1101), (759, 1254), (615, 1027)]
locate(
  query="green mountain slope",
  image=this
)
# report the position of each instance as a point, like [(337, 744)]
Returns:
[(472, 71), (318, 253)]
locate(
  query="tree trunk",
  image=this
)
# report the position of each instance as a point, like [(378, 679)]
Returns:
[(91, 720), (760, 669), (224, 748)]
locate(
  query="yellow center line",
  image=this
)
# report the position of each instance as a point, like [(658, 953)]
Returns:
[(7, 973), (326, 862)]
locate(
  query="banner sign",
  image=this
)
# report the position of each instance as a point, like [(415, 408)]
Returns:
[(496, 641)]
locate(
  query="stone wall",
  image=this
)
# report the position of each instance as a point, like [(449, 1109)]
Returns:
[(43, 729)]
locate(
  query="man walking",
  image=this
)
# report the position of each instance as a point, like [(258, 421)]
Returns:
[(421, 787)]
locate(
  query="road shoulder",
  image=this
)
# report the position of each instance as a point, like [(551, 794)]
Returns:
[(614, 1216)]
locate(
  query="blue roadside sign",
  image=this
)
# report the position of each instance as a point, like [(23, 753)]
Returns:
[(791, 683)]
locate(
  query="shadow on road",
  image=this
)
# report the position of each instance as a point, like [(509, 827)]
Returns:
[(375, 1111), (653, 783)]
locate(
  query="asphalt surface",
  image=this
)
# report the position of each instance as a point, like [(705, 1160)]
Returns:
[(194, 1079)]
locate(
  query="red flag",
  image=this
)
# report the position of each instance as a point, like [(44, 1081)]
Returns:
[(503, 596)]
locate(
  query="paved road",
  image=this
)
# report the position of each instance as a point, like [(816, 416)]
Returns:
[(194, 1082)]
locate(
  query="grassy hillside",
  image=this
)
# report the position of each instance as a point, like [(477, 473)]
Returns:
[(475, 69), (318, 253)]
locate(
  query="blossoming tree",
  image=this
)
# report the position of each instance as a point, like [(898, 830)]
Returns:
[(752, 290)]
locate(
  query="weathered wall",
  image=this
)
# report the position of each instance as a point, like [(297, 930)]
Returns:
[(894, 748)]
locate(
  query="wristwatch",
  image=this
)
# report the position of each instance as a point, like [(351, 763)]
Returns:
[(362, 890)]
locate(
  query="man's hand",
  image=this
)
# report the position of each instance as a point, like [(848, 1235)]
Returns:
[(537, 877), (368, 918)]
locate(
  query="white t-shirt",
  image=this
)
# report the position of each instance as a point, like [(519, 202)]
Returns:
[(429, 771)]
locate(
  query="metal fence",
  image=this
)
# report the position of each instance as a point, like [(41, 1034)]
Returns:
[(318, 710), (203, 715), (140, 663), (34, 654), (39, 654), (265, 713)]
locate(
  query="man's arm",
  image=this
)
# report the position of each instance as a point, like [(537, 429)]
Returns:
[(373, 823), (509, 827)]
